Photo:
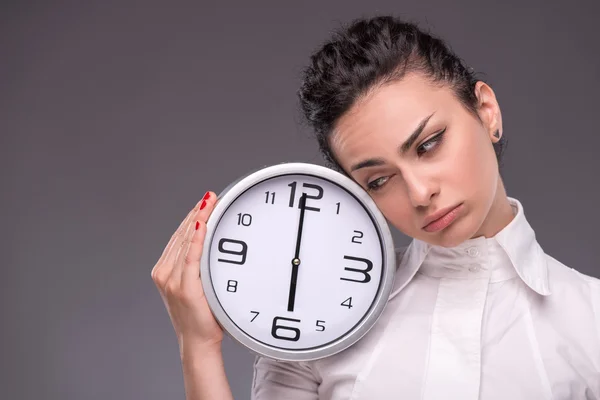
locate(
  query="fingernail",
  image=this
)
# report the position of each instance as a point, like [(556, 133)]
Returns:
[(206, 196), (203, 204), (197, 225)]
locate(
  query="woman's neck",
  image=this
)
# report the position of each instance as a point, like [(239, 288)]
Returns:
[(500, 215)]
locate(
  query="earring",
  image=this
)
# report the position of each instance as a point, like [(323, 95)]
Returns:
[(497, 133)]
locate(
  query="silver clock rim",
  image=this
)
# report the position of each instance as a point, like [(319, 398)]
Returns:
[(230, 193)]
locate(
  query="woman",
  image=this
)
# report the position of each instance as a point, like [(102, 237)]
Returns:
[(478, 310)]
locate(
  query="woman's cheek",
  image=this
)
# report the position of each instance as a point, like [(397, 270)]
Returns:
[(398, 213)]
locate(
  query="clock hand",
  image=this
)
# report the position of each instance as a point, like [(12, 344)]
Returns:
[(296, 260), (300, 225)]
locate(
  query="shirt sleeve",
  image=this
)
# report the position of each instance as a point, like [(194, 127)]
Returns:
[(283, 380), (595, 284)]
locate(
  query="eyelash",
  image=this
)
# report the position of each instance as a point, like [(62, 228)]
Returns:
[(436, 140)]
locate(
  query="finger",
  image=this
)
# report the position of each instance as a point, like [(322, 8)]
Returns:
[(191, 267), (163, 267), (182, 248), (169, 245), (191, 261), (206, 207), (171, 255)]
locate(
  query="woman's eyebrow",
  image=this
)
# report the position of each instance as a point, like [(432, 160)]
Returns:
[(371, 162), (415, 135), (404, 147)]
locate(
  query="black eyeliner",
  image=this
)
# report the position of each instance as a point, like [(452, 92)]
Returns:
[(436, 139)]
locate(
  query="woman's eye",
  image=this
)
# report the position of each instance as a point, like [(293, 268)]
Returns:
[(377, 183), (431, 143)]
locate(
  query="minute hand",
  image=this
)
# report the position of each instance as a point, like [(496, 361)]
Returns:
[(296, 259), (300, 225)]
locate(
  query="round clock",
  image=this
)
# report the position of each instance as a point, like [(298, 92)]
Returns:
[(298, 261)]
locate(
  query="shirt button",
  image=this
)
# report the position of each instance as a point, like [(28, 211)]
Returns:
[(473, 251), (474, 268)]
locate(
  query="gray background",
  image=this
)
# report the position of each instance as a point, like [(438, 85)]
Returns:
[(117, 116)]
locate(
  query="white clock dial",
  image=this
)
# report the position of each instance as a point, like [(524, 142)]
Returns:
[(252, 253)]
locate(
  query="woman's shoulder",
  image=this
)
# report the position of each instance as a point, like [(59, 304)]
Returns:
[(561, 274), (574, 301), (570, 283)]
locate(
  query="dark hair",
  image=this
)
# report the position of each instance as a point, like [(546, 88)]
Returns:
[(371, 52)]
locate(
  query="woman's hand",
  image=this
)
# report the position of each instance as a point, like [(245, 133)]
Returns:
[(177, 276)]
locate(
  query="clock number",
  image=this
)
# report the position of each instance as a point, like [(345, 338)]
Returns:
[(317, 196), (276, 328), (292, 193), (241, 253), (320, 326), (338, 208), (231, 284), (244, 219), (347, 303), (357, 237), (252, 320), (364, 272), (272, 195)]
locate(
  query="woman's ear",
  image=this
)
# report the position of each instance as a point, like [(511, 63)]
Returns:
[(489, 110)]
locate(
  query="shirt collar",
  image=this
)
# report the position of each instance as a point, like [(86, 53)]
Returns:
[(517, 239)]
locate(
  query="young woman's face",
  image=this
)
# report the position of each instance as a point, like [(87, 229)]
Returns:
[(416, 149)]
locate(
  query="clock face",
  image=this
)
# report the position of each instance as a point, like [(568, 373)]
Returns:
[(295, 273)]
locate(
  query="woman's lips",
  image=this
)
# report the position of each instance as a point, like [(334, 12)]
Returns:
[(444, 221)]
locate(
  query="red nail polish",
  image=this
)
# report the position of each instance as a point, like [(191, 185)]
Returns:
[(206, 196), (203, 204), (197, 225)]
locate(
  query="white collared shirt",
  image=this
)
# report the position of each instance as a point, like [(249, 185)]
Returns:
[(493, 318)]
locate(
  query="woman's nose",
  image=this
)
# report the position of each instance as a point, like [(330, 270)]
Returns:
[(421, 188)]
